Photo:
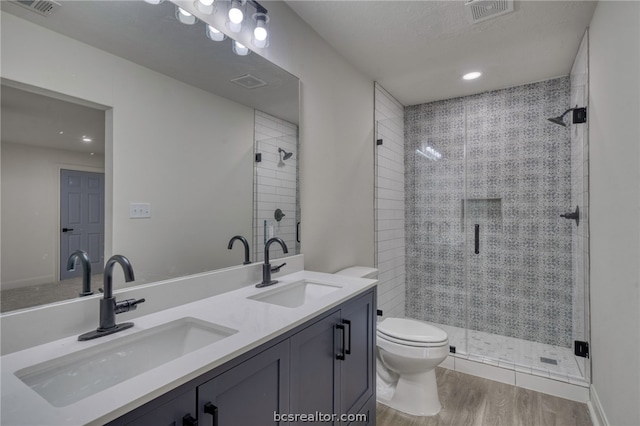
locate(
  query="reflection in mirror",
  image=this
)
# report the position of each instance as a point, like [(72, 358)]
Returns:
[(276, 208), (178, 142)]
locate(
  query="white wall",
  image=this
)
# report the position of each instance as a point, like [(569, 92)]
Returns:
[(614, 139), (30, 189), (187, 152)]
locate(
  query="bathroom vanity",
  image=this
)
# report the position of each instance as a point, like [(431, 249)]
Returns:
[(302, 346)]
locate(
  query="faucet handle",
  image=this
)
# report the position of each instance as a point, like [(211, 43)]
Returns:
[(277, 268), (127, 305)]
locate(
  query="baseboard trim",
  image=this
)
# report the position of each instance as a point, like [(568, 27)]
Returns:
[(520, 379), (598, 417)]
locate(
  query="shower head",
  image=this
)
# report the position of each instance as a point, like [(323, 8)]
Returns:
[(579, 116), (287, 155), (560, 120)]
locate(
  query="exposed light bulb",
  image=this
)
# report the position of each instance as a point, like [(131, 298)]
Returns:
[(235, 12), (260, 32), (185, 17), (240, 49), (214, 34), (206, 2)]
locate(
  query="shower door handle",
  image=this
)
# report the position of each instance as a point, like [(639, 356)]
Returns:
[(477, 238)]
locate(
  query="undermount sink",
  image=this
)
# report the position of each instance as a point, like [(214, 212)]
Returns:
[(296, 294), (68, 379)]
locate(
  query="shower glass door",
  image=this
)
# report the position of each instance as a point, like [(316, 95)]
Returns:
[(520, 262)]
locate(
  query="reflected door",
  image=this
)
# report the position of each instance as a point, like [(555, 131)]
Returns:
[(81, 219)]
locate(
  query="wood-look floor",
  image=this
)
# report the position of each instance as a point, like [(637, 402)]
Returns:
[(469, 400)]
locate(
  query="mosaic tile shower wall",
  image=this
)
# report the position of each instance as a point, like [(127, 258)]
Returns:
[(517, 174)]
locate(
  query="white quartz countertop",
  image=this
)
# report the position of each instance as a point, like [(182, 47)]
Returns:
[(257, 322)]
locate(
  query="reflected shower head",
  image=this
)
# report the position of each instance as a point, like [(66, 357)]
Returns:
[(560, 120), (287, 155)]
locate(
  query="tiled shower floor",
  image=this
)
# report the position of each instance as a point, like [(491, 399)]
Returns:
[(517, 354)]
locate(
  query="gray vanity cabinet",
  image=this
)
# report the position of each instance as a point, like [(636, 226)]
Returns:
[(326, 365), (248, 394), (176, 411), (357, 379), (332, 361), (315, 374)]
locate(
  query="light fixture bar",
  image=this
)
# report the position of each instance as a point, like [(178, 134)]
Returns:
[(259, 8)]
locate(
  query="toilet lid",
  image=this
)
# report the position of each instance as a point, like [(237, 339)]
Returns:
[(411, 330)]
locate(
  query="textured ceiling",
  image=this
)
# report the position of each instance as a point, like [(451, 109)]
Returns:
[(418, 50)]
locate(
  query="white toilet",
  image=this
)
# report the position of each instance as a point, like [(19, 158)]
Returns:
[(408, 351)]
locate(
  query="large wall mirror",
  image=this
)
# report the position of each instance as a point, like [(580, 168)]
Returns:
[(120, 98)]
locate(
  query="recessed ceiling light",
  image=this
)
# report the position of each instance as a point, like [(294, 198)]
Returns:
[(86, 139), (471, 75)]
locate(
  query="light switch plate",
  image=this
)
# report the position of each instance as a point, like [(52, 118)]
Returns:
[(139, 210)]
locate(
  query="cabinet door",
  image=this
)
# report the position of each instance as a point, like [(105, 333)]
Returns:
[(176, 412), (358, 367), (314, 370), (248, 394)]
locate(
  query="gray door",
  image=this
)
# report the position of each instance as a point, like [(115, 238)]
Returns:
[(81, 219)]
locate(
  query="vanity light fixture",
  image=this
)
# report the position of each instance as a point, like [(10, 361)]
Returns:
[(204, 6), (240, 49), (185, 17), (260, 32), (471, 75), (236, 15), (214, 34)]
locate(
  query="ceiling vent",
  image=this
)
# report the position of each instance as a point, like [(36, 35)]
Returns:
[(481, 10), (249, 82), (41, 7)]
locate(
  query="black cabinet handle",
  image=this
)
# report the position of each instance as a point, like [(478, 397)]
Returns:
[(347, 322), (67, 229), (477, 238), (340, 355), (209, 408), (189, 420), (298, 232)]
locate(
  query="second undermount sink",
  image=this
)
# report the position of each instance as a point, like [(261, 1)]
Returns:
[(68, 379), (296, 294)]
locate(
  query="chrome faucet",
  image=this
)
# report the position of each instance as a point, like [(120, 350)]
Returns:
[(266, 268), (108, 305), (83, 257), (246, 247)]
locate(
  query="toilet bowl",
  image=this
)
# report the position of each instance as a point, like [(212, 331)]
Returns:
[(408, 351)]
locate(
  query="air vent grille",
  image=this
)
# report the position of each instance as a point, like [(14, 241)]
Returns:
[(249, 82), (41, 7), (481, 10)]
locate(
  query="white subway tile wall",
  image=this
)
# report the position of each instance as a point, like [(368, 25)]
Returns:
[(390, 208), (275, 186)]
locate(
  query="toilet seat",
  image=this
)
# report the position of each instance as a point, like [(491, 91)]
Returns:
[(410, 332)]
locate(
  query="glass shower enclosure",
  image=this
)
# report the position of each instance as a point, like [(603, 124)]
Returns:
[(492, 252)]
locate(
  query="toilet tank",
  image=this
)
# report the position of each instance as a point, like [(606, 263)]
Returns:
[(359, 272)]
